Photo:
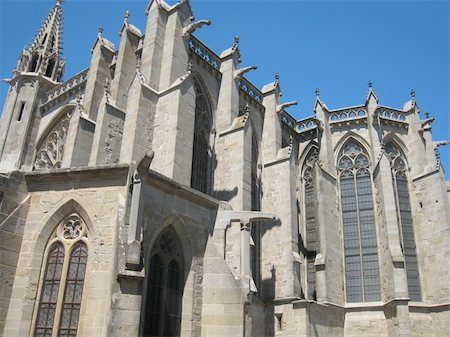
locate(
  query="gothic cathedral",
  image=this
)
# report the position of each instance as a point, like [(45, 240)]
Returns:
[(160, 193)]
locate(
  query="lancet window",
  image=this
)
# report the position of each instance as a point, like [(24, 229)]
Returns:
[(51, 150), (310, 211), (164, 287), (406, 228), (201, 157), (62, 284), (359, 230)]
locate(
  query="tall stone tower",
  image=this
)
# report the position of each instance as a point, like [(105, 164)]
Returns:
[(40, 67)]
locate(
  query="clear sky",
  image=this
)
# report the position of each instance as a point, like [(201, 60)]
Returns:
[(336, 46)]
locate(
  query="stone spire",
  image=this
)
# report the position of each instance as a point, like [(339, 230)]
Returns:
[(44, 54)]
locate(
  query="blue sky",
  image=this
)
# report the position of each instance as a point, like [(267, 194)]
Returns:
[(336, 46)]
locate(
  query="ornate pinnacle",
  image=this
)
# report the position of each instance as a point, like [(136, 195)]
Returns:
[(277, 77), (370, 84), (236, 42), (413, 94), (317, 92), (427, 115), (59, 2), (100, 30), (138, 62), (247, 108), (126, 16)]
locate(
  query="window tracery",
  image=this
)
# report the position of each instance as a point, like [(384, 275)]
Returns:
[(50, 153), (406, 228), (200, 174), (359, 230), (62, 284)]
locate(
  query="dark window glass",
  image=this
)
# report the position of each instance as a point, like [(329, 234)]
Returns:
[(73, 291), (200, 175), (155, 294), (164, 287), (50, 288)]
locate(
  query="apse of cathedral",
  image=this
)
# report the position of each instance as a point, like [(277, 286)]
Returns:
[(159, 192)]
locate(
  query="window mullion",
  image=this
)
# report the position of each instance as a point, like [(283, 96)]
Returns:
[(62, 287)]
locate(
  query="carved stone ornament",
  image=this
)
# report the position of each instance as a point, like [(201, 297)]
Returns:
[(71, 228), (50, 153)]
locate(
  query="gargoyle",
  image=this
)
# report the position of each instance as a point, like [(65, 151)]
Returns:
[(194, 26), (285, 105), (441, 143), (240, 72)]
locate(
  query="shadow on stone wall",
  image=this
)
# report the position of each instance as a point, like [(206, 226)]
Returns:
[(14, 205)]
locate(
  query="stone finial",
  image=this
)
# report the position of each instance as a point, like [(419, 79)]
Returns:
[(247, 108), (317, 92), (126, 16), (189, 67), (106, 87), (59, 2), (427, 114), (138, 62), (370, 84), (236, 42), (100, 31), (277, 77), (413, 94)]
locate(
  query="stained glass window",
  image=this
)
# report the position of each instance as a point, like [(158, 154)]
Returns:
[(49, 294), (359, 231), (74, 291), (164, 287), (406, 227), (62, 287), (200, 175)]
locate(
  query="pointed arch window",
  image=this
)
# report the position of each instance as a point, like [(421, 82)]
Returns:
[(201, 156), (406, 228), (50, 152), (164, 287), (359, 230), (310, 220), (61, 288)]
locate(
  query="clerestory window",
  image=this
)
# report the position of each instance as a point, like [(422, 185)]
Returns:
[(61, 287), (359, 231), (164, 287), (406, 228), (201, 156)]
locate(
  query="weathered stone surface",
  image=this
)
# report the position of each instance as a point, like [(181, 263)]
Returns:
[(262, 247)]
